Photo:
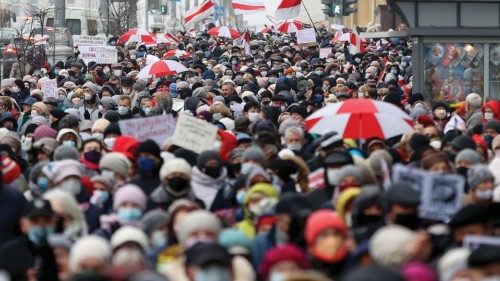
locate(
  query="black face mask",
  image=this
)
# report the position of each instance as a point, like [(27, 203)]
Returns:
[(365, 219), (411, 221), (462, 171), (234, 169), (213, 172), (178, 184), (100, 72)]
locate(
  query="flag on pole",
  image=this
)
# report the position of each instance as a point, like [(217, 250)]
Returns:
[(245, 7), (245, 41), (198, 13), (356, 43), (288, 9)]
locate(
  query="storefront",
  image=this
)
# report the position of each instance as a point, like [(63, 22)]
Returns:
[(456, 46)]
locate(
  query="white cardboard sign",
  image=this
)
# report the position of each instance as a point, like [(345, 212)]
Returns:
[(49, 88), (99, 54), (194, 134), (156, 128)]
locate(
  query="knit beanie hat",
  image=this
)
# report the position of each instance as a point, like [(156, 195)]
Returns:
[(89, 247), (149, 146), (153, 220), (375, 160), (198, 220), (206, 156), (351, 170), (129, 193), (228, 123), (100, 125), (116, 162), (65, 131), (320, 221), (11, 139), (346, 197), (492, 124), (41, 108), (235, 241), (63, 152), (10, 170), (129, 234), (461, 142), (30, 129), (418, 271), (388, 245), (254, 153), (175, 165), (452, 262), (278, 254), (469, 155), (44, 131), (140, 85), (478, 174)]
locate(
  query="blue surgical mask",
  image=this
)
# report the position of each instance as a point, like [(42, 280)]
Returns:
[(146, 165), (69, 143), (240, 196), (247, 168), (43, 184), (101, 196), (213, 273), (39, 234), (129, 214)]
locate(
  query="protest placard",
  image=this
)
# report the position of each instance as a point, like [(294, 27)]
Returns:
[(417, 178), (157, 128), (441, 200), (194, 134), (49, 88), (87, 40), (99, 54), (472, 242), (324, 52), (306, 36)]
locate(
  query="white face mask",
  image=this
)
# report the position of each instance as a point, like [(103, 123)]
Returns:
[(109, 142), (440, 113), (253, 116), (333, 176), (110, 175), (484, 195), (15, 89), (106, 70), (34, 113), (126, 91), (294, 146), (72, 186), (117, 72), (488, 115), (98, 136)]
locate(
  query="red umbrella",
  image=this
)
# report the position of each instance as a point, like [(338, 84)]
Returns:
[(224, 31), (139, 36), (289, 26), (161, 68), (178, 53), (266, 30), (167, 38), (360, 119)]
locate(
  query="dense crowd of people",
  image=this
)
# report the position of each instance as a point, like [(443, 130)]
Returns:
[(270, 201)]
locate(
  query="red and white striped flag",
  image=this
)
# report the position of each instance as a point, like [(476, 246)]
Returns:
[(356, 43), (245, 7), (245, 41), (198, 13), (382, 73), (288, 9)]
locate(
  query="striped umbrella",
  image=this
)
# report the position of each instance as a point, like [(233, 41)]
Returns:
[(360, 119), (178, 53), (161, 68), (289, 26), (139, 36), (224, 31), (166, 38)]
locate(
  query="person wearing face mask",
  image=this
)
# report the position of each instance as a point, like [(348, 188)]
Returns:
[(19, 91), (129, 204), (89, 110), (37, 224), (130, 245), (209, 175), (91, 155), (471, 219), (149, 163), (491, 111), (155, 225), (481, 185), (252, 111), (89, 254), (209, 261), (124, 107), (326, 237), (259, 200), (69, 137), (440, 115), (175, 176), (101, 195), (116, 70), (115, 167), (402, 205)]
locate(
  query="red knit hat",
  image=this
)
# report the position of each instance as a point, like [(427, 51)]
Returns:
[(320, 221), (425, 120), (10, 170), (287, 252), (127, 145)]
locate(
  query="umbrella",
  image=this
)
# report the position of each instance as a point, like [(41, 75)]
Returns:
[(161, 68), (360, 119), (289, 26), (178, 53), (167, 38), (139, 36), (224, 31), (151, 59), (266, 30)]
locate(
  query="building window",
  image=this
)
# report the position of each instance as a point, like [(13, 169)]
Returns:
[(451, 71), (74, 26), (92, 27), (494, 90)]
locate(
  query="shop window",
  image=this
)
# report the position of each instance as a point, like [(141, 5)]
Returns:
[(453, 70), (92, 27), (494, 90), (74, 26)]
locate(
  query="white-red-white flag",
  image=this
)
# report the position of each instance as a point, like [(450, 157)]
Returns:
[(245, 41), (356, 44), (198, 13), (288, 9), (245, 7)]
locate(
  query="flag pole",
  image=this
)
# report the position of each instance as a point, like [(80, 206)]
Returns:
[(312, 22)]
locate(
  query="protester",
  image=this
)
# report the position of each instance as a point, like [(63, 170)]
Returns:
[(270, 178)]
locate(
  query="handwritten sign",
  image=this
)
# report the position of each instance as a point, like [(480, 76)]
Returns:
[(194, 134), (49, 88), (157, 128), (325, 53), (99, 54), (306, 36), (86, 40), (473, 242)]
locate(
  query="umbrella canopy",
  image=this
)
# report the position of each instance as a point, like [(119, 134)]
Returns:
[(266, 30), (139, 36), (151, 59), (161, 68), (360, 119), (178, 53), (166, 38), (289, 26), (224, 31)]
